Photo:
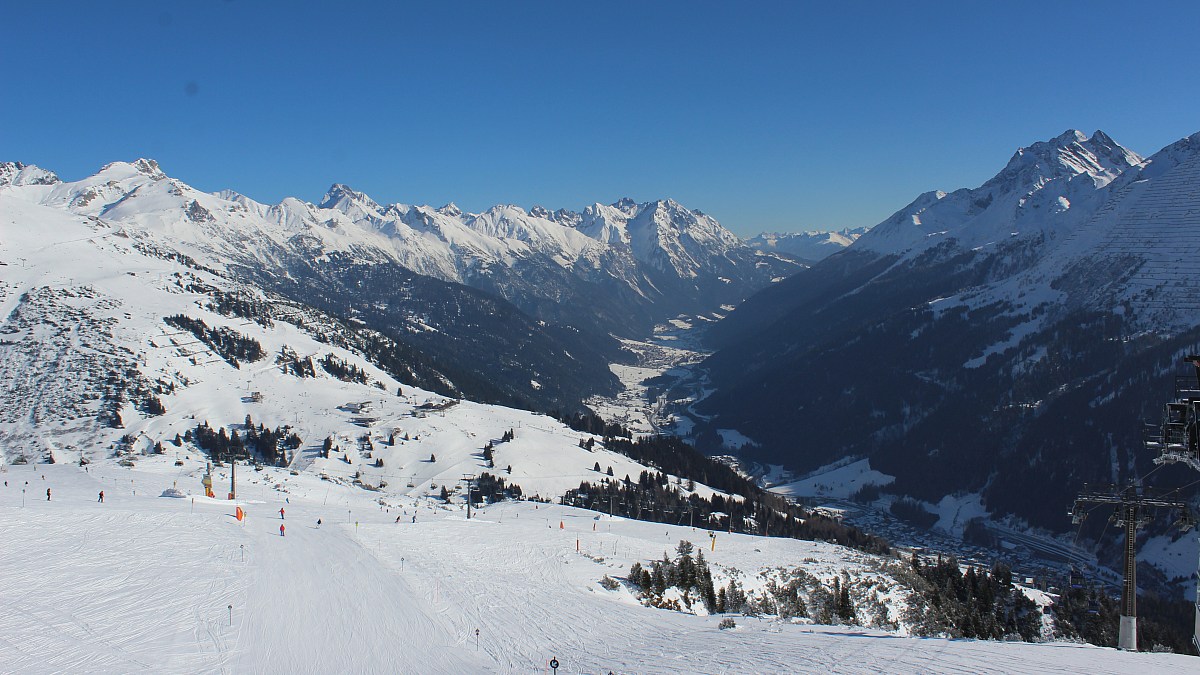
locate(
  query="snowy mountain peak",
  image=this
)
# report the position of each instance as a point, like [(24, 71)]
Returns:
[(1042, 184), (625, 205), (138, 170), (341, 196), (1071, 136), (17, 173), (149, 167), (451, 209), (1068, 154)]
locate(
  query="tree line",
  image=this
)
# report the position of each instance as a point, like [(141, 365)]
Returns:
[(229, 344), (273, 446)]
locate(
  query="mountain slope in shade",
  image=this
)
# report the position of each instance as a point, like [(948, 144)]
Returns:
[(1006, 339)]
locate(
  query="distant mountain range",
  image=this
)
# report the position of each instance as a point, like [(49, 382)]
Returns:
[(1005, 340), (807, 247), (506, 306)]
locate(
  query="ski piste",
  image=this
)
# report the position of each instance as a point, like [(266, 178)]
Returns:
[(146, 583)]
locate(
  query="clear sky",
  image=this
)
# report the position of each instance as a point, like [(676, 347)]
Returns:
[(769, 116)]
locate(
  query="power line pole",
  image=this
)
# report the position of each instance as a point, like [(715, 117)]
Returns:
[(1131, 502)]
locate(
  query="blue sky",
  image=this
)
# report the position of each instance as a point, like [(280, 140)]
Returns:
[(769, 116)]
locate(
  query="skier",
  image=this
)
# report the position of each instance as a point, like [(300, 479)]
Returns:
[(414, 517), (281, 514), (101, 499), (47, 494), (318, 522), (397, 519), (281, 530)]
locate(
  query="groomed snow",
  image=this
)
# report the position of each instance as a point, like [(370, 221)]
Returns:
[(143, 583)]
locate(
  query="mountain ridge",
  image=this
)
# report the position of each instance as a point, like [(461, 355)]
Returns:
[(1005, 346), (658, 258)]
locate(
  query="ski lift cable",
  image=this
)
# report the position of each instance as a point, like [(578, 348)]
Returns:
[(1107, 523), (1085, 515), (1142, 480), (1182, 487)]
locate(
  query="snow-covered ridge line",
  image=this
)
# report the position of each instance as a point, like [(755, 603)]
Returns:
[(617, 268), (1033, 194), (662, 233)]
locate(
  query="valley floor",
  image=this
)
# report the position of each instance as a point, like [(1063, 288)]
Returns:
[(672, 351), (143, 583)]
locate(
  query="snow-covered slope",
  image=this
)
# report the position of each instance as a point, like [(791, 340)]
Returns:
[(172, 585), (88, 358), (1046, 188), (313, 256)]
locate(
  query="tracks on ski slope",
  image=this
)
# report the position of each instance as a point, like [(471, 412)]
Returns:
[(316, 590), (144, 584)]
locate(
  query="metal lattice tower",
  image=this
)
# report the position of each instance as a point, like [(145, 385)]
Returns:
[(1132, 502)]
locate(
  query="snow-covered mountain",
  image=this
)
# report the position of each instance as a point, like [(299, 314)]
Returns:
[(141, 321), (808, 247), (575, 279), (1005, 340), (1049, 187), (638, 264)]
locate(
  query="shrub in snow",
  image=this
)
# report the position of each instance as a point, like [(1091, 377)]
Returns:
[(727, 623)]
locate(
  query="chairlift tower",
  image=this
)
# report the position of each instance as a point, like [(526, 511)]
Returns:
[(469, 479), (1177, 440), (1132, 502)]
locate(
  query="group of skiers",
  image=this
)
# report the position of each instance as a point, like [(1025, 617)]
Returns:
[(50, 494), (282, 512)]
